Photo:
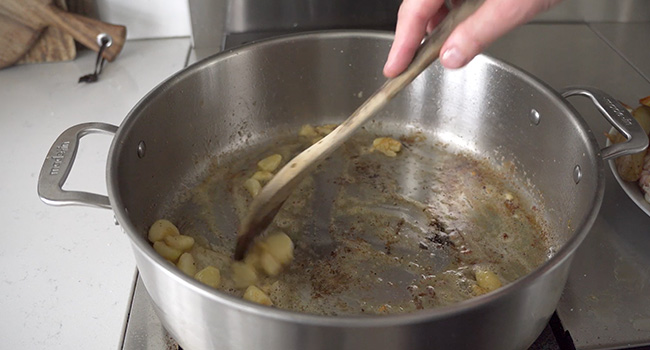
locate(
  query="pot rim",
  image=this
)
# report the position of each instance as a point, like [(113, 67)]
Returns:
[(359, 321)]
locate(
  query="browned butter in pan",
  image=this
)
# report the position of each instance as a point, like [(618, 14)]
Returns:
[(376, 234)]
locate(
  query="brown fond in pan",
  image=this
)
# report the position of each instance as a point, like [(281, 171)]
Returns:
[(376, 234)]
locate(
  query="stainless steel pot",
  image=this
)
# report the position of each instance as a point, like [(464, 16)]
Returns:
[(245, 96)]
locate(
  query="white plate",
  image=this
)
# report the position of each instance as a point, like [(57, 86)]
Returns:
[(632, 189)]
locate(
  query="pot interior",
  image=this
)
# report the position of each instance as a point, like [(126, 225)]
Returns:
[(205, 128)]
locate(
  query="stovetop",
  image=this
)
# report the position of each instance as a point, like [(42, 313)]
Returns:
[(605, 303)]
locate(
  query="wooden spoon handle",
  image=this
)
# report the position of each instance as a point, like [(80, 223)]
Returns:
[(85, 30), (268, 201)]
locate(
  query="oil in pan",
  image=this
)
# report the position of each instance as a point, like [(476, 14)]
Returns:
[(374, 234)]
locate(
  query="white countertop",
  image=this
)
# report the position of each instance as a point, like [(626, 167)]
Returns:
[(66, 273)]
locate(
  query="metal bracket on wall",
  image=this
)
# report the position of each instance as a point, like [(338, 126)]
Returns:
[(209, 24)]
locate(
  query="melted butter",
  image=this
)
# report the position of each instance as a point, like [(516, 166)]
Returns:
[(376, 234)]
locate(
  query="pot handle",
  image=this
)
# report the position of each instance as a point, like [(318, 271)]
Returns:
[(619, 117), (58, 164)]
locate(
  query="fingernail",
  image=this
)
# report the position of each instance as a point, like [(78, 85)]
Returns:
[(388, 66), (452, 58)]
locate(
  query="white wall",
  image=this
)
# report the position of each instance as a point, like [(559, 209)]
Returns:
[(147, 18)]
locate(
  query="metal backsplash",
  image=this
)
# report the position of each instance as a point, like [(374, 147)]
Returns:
[(212, 20), (623, 11)]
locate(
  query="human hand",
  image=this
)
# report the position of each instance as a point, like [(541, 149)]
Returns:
[(493, 19)]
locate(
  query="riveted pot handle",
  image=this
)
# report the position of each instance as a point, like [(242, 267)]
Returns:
[(58, 164), (619, 117)]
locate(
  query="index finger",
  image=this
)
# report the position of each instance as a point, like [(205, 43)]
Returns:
[(412, 20)]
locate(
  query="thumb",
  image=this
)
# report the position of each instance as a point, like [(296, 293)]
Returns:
[(493, 19)]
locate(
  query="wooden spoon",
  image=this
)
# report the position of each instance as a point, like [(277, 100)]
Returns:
[(269, 200)]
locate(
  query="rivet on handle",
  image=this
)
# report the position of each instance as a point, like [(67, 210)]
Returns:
[(577, 174), (142, 149), (534, 116)]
